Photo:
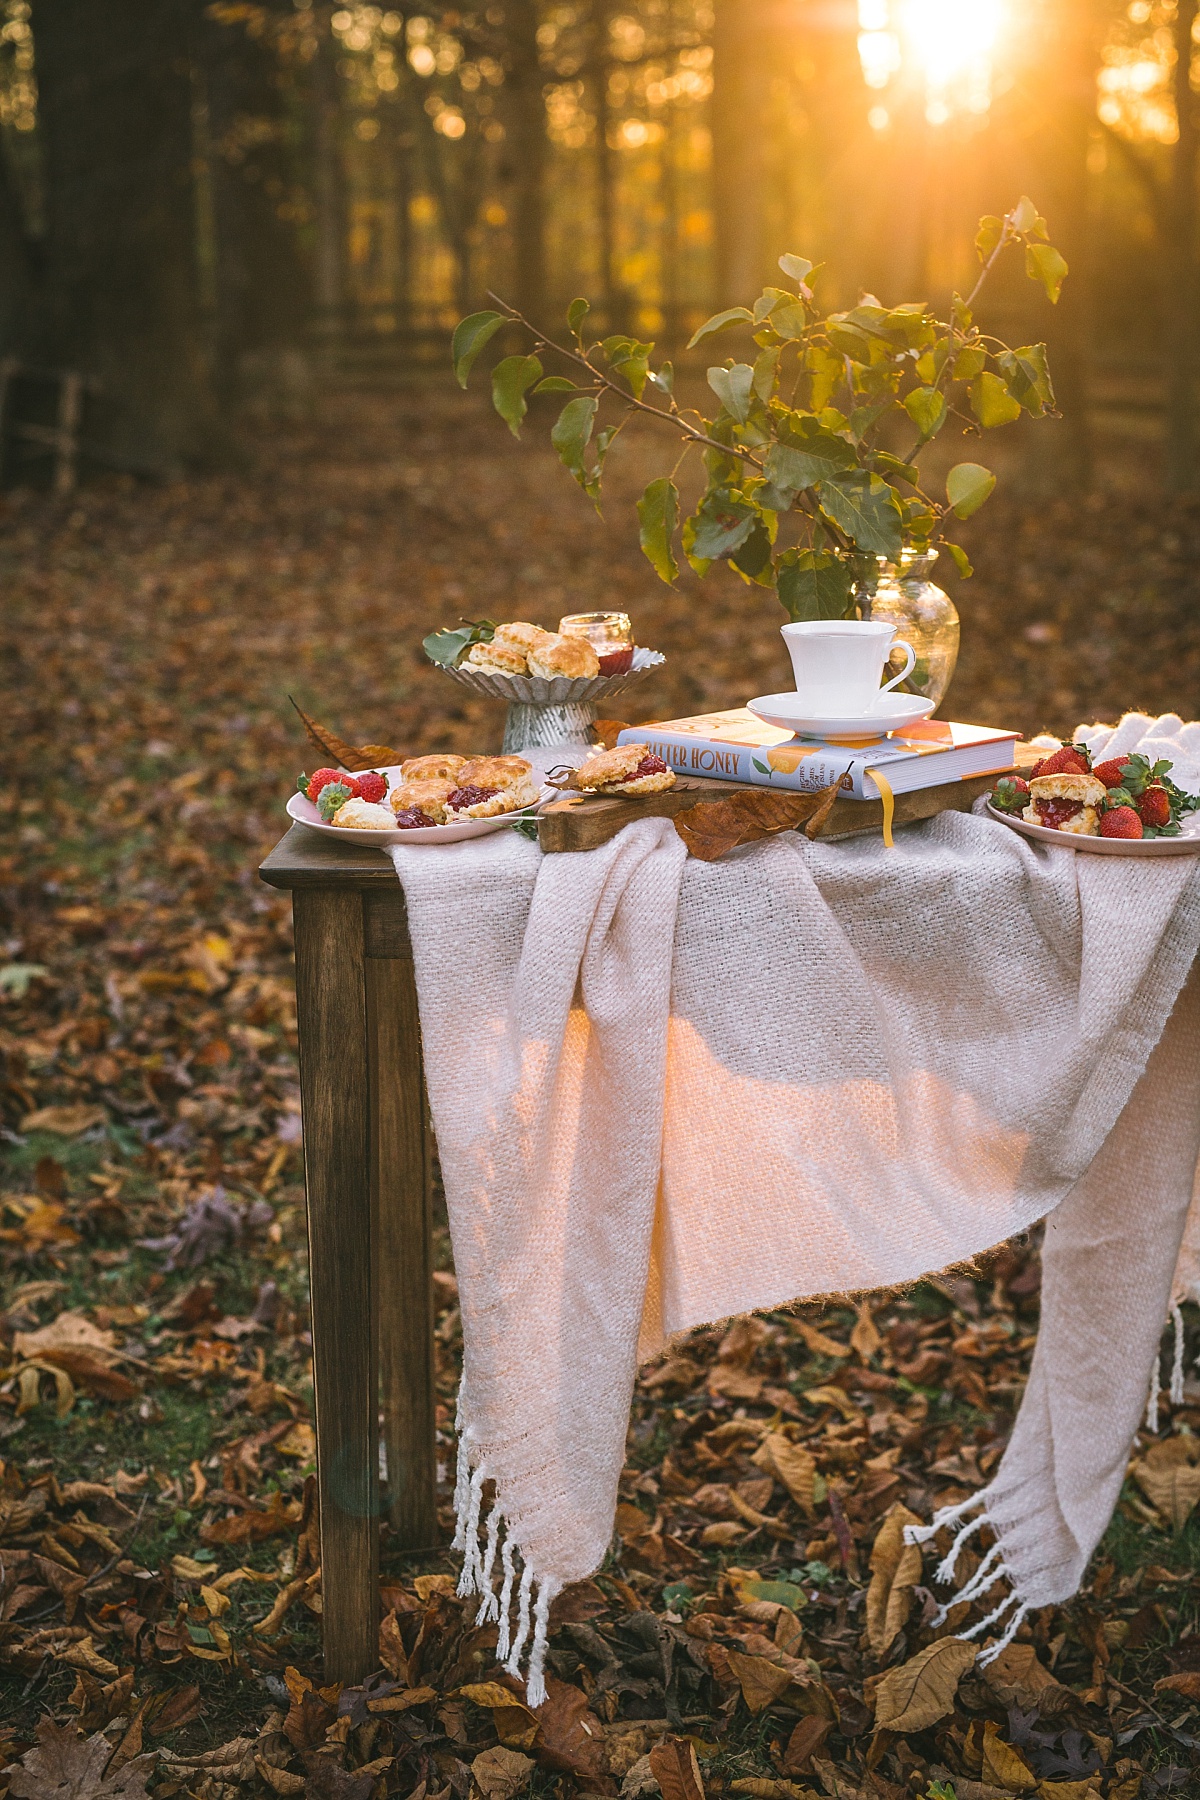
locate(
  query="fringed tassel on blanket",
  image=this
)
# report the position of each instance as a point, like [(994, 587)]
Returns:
[(991, 1570), (1175, 1391), (478, 1571)]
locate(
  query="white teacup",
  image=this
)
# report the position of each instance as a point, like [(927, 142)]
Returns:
[(838, 663)]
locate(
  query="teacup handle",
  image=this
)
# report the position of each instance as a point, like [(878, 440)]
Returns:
[(910, 665)]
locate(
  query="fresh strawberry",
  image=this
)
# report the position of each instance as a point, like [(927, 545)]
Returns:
[(1154, 807), (372, 786), (1011, 794), (1072, 759), (311, 785), (1110, 772), (1121, 822), (335, 794)]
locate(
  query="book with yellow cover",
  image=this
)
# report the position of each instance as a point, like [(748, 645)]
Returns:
[(738, 746)]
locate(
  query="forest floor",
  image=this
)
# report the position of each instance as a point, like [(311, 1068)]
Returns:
[(158, 1597)]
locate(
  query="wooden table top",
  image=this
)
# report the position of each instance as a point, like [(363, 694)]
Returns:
[(309, 859)]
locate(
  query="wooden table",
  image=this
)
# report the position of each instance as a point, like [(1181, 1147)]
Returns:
[(367, 1159), (367, 1165)]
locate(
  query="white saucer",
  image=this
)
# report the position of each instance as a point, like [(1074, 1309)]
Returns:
[(891, 712)]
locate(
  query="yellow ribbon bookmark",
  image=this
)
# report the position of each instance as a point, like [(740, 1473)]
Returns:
[(889, 804)]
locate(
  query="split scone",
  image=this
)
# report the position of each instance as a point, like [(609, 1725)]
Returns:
[(570, 656), (491, 785), (364, 815), (497, 658), (629, 769), (428, 797), (442, 765), (1066, 802)]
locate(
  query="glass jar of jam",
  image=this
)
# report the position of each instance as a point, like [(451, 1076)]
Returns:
[(609, 633)]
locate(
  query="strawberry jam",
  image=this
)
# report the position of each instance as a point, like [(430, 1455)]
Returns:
[(649, 765), (1055, 813), (618, 661), (411, 818), (469, 796)]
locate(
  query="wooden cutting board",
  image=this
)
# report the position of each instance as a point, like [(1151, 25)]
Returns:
[(585, 821)]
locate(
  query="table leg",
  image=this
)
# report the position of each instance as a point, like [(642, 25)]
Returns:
[(401, 1173), (334, 1091)]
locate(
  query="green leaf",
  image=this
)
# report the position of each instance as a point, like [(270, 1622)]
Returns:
[(658, 512), (967, 487), (988, 235), (827, 372), (766, 368), (720, 525), (866, 509), (1043, 263), (447, 648), (664, 378), (991, 401), (812, 584), (962, 561), (734, 388), (572, 433), (556, 384), (790, 471), (511, 380), (798, 267), (970, 362), (577, 312), (470, 336), (631, 359), (733, 315), (926, 407), (753, 558), (888, 465), (1026, 375), (1024, 215), (760, 766), (789, 319)]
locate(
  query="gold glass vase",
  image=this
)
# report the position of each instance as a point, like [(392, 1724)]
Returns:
[(923, 614)]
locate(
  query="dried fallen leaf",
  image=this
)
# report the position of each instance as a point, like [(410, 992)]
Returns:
[(795, 1466), (1017, 1677), (64, 1121), (713, 827), (571, 1736), (253, 1524), (760, 1680), (64, 1765), (865, 1339), (1004, 1766), (69, 1331), (921, 1691), (1170, 1479), (895, 1569), (499, 1774), (344, 755), (1186, 1683), (674, 1765)]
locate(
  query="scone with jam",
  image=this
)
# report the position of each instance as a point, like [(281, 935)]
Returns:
[(491, 785), (1066, 802), (629, 769)]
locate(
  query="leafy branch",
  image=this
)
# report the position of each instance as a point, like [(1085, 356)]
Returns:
[(806, 499)]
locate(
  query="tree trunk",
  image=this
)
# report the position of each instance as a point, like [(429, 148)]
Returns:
[(528, 146), (261, 284), (738, 150), (115, 110), (329, 196), (1071, 109), (18, 268), (614, 311), (1179, 268)]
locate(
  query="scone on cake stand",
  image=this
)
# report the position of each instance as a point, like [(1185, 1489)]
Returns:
[(557, 701)]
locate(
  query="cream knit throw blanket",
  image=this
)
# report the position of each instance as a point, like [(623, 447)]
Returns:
[(665, 1092)]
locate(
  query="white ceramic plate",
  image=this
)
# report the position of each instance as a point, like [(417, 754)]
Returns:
[(1186, 844), (891, 712), (305, 813)]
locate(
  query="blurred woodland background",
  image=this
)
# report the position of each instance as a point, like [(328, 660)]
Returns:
[(208, 205)]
